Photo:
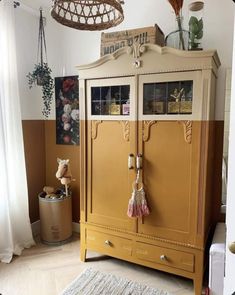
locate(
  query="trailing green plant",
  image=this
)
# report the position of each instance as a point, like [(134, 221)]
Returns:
[(41, 76), (195, 32)]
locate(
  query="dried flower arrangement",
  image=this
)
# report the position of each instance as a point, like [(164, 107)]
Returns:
[(177, 7)]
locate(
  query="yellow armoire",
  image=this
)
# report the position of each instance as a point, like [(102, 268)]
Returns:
[(158, 104)]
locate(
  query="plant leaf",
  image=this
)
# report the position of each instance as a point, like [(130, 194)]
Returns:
[(191, 36), (193, 20), (200, 34), (200, 24), (193, 28)]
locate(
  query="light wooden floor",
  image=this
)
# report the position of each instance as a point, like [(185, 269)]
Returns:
[(47, 270)]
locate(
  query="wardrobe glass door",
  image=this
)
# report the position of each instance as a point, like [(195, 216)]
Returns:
[(112, 130), (169, 141)]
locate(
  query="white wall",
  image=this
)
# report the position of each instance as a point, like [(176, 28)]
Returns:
[(229, 282), (69, 47), (26, 43), (226, 133), (27, 26)]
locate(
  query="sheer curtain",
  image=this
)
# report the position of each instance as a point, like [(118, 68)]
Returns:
[(15, 228)]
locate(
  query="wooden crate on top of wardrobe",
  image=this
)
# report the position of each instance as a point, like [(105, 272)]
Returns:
[(110, 42)]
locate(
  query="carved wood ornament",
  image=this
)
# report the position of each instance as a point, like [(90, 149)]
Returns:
[(187, 130), (126, 129), (146, 129), (136, 50), (94, 128)]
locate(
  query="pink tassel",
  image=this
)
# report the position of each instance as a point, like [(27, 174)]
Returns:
[(145, 210), (137, 206), (131, 212)]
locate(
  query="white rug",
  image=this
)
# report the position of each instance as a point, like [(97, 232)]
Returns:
[(94, 282)]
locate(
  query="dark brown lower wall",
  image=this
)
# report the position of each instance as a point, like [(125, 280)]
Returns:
[(54, 151), (41, 154), (34, 144)]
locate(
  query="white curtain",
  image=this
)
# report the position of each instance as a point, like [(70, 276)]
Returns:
[(15, 229)]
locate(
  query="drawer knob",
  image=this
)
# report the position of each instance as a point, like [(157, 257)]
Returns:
[(107, 243), (163, 257), (231, 247)]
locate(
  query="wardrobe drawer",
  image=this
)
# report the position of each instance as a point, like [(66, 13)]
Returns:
[(108, 244), (165, 256)]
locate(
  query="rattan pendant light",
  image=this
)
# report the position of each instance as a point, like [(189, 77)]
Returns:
[(91, 15)]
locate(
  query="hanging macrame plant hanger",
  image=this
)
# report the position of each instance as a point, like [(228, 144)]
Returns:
[(41, 74), (42, 49)]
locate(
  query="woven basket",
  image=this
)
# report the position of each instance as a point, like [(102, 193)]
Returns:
[(91, 15)]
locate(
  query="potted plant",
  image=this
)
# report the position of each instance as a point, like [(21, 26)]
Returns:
[(41, 75), (196, 25)]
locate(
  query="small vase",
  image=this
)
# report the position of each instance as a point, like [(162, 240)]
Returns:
[(179, 38)]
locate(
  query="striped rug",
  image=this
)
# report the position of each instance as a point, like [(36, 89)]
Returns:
[(94, 282)]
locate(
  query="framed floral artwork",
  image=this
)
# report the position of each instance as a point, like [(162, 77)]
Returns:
[(67, 110)]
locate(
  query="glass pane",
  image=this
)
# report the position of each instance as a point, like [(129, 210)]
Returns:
[(110, 100), (125, 93), (105, 93), (168, 98), (173, 105), (159, 106), (187, 97), (155, 98), (180, 97), (96, 108), (95, 93), (106, 99), (148, 98), (115, 104)]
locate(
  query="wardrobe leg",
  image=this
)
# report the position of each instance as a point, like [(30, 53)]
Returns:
[(198, 285), (83, 254), (198, 280), (199, 273)]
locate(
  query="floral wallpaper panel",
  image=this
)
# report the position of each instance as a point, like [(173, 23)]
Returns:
[(67, 110)]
